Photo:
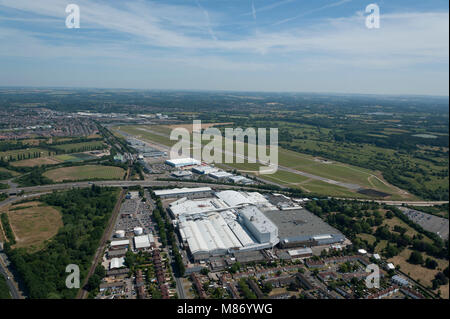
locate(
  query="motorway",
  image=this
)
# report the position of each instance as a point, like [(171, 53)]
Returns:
[(118, 183), (14, 291), (151, 183)]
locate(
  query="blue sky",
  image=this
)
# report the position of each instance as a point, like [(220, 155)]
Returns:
[(259, 45)]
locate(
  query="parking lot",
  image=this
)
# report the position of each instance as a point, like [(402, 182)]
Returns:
[(134, 213), (428, 222)]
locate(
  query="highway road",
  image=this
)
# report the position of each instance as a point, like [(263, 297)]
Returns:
[(15, 294), (119, 183), (151, 183)]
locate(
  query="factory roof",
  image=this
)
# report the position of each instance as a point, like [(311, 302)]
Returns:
[(235, 198), (176, 191), (212, 234), (204, 169), (258, 219), (301, 251), (143, 241), (117, 263), (197, 206), (182, 161), (120, 242), (220, 174), (302, 225)]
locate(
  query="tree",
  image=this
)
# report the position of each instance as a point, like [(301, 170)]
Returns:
[(204, 271), (415, 258), (389, 214), (267, 288), (431, 263)]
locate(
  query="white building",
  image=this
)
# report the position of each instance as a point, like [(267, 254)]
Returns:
[(212, 235), (390, 266), (196, 206), (144, 241), (220, 175), (138, 231), (204, 169), (261, 227), (117, 263), (182, 162), (235, 198), (116, 244), (181, 192)]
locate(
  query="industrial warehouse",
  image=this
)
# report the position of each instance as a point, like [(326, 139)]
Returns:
[(228, 222)]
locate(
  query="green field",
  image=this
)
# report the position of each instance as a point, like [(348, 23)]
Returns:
[(332, 170), (75, 157), (12, 155), (86, 172), (85, 146)]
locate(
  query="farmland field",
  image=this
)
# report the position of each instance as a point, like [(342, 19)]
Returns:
[(36, 162), (77, 147), (56, 159), (8, 155), (33, 223), (85, 172), (74, 157)]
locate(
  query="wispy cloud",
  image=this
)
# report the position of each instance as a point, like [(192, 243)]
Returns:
[(346, 36), (271, 6), (157, 34), (328, 6), (253, 10), (205, 12)]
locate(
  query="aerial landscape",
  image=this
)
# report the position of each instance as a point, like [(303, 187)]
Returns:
[(182, 157)]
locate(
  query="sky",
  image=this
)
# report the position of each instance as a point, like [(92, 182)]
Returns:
[(243, 45)]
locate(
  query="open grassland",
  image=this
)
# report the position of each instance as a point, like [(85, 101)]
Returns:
[(86, 172), (2, 234), (294, 161), (419, 272), (189, 127), (33, 223), (367, 237), (56, 159), (74, 157), (416, 172), (8, 171), (13, 155), (36, 162), (81, 146)]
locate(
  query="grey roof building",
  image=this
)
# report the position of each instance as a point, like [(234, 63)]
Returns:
[(299, 227)]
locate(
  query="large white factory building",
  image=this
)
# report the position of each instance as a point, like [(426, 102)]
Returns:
[(226, 222), (230, 221)]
